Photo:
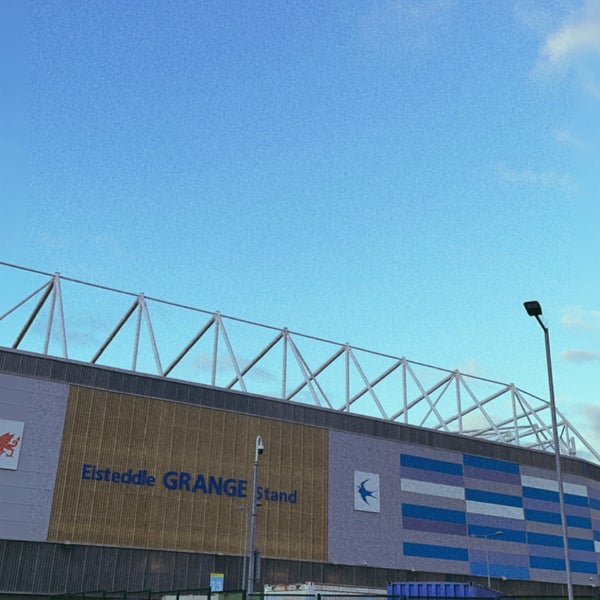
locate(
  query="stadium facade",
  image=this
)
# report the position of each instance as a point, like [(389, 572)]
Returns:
[(115, 480)]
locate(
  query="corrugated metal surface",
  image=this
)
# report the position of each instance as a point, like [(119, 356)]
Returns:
[(60, 568), (122, 432)]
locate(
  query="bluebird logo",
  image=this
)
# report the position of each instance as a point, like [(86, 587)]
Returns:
[(365, 494), (366, 491)]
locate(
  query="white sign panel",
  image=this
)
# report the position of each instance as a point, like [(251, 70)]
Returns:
[(366, 491), (11, 436)]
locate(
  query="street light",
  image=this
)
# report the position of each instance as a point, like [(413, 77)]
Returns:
[(245, 552), (534, 309), (485, 536), (259, 449)]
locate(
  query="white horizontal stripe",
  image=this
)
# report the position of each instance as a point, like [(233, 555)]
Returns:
[(495, 510), (540, 483), (552, 485), (433, 489), (575, 489)]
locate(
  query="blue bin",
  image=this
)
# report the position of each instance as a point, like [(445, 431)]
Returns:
[(429, 590)]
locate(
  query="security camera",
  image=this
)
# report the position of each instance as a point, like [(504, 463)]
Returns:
[(260, 448)]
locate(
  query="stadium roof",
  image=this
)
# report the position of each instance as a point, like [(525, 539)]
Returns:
[(59, 316)]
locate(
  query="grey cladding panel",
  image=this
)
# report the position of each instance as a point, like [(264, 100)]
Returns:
[(26, 498)]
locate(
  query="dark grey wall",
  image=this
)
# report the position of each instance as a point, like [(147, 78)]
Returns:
[(49, 568)]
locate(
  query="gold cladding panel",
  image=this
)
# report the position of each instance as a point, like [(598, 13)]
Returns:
[(121, 432)]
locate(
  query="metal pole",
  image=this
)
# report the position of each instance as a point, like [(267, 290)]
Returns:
[(486, 537), (561, 494), (245, 570), (245, 547), (251, 562), (252, 559)]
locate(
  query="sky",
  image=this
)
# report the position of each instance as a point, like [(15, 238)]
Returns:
[(400, 175)]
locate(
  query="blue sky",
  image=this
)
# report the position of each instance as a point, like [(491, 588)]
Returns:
[(396, 174)]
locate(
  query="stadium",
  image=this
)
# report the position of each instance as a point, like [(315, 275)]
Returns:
[(182, 452)]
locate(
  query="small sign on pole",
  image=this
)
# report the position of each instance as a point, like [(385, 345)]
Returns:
[(217, 581)]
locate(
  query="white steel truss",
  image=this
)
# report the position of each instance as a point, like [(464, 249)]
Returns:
[(286, 365)]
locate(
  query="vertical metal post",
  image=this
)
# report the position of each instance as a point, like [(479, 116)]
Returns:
[(486, 537), (561, 493), (245, 547), (259, 449), (534, 309)]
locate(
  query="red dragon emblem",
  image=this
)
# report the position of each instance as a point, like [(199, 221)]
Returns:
[(8, 443)]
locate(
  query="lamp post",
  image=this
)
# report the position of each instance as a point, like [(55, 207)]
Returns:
[(259, 449), (485, 536), (245, 551), (534, 309)]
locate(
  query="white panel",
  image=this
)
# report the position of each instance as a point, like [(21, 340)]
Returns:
[(539, 483), (552, 485), (495, 510), (575, 489), (433, 489)]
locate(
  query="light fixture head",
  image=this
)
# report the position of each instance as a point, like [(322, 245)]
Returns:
[(260, 447), (533, 308)]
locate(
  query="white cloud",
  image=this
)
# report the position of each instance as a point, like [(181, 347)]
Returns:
[(568, 138), (471, 367), (580, 356), (577, 317), (548, 179), (574, 45), (570, 42), (580, 319)]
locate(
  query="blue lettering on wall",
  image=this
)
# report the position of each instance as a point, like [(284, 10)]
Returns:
[(140, 477), (276, 496), (183, 481)]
